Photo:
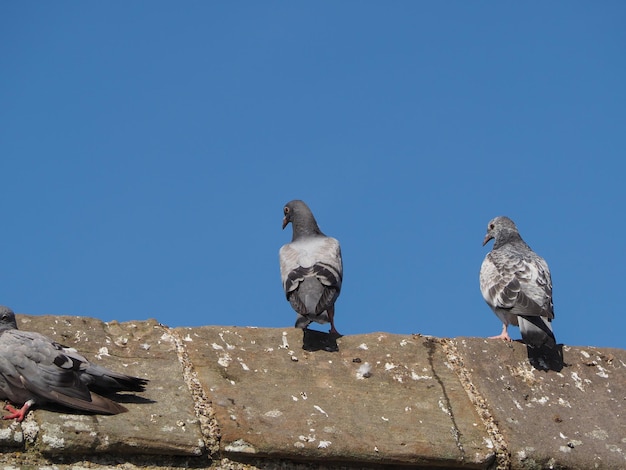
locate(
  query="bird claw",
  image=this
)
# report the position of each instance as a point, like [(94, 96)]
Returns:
[(503, 336), (15, 414)]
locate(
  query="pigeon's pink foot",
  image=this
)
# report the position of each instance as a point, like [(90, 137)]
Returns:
[(504, 335), (20, 414)]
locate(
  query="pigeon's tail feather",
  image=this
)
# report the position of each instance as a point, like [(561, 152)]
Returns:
[(107, 381), (302, 322), (96, 403), (536, 331), (310, 292)]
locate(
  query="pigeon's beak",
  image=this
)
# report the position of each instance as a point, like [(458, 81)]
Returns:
[(285, 222), (487, 238)]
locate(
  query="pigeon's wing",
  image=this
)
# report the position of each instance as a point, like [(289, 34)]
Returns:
[(330, 273), (535, 296), (510, 282), (544, 282), (319, 257), (11, 388), (289, 262), (43, 369), (536, 284), (43, 365), (497, 285)]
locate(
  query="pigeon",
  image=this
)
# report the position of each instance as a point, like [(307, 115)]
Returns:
[(36, 370), (516, 283), (311, 268)]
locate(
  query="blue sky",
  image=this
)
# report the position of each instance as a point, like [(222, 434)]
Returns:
[(148, 148)]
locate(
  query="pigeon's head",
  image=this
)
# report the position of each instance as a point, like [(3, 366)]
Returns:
[(498, 227), (296, 211), (301, 218), (7, 319)]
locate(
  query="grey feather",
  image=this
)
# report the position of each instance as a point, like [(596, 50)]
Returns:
[(311, 268), (37, 370), (516, 283)]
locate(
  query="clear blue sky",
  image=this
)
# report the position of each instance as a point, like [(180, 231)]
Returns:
[(147, 150)]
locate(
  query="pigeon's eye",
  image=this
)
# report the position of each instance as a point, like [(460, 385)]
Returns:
[(286, 210), (491, 226)]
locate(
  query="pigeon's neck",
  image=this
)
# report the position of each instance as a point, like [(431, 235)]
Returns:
[(4, 328), (306, 228), (507, 237)]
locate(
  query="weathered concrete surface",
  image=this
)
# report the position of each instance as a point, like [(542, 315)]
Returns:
[(248, 398), (574, 418), (160, 420), (274, 399)]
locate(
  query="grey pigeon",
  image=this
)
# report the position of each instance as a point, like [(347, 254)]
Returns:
[(36, 370), (516, 284), (310, 268)]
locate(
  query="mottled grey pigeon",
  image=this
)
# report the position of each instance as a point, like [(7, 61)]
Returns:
[(36, 370), (516, 284), (310, 268)]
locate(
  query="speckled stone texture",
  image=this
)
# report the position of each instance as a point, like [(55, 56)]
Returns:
[(573, 418), (248, 398), (274, 399)]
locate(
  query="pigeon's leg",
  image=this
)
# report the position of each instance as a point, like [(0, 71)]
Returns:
[(504, 335), (331, 319), (20, 414)]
